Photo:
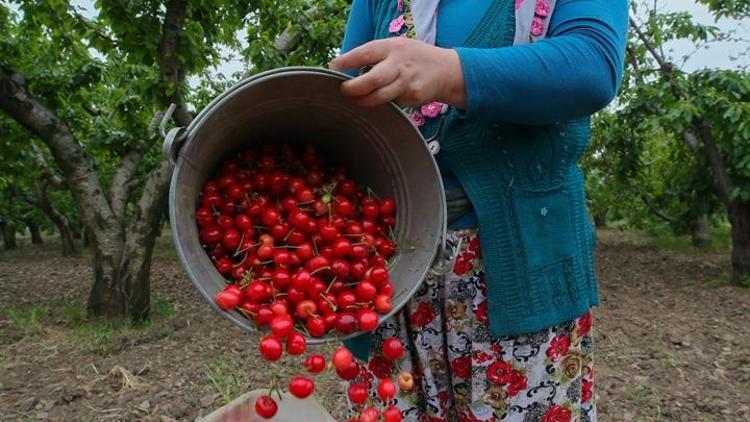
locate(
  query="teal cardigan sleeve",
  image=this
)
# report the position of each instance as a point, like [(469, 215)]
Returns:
[(360, 28), (573, 73)]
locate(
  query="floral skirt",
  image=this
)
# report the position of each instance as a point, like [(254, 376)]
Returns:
[(463, 374)]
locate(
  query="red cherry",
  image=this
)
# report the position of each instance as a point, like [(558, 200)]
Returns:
[(265, 251), (387, 206), (346, 322), (342, 358), (304, 195), (305, 308), (392, 414), (387, 289), (296, 343), (296, 238), (357, 393), (367, 319), (342, 248), (393, 349), (382, 304), (266, 407), (204, 217), (359, 251), (317, 263), (346, 299), (279, 231), (357, 269), (315, 363), (348, 373), (370, 211), (258, 291), (328, 233), (231, 239), (270, 348), (366, 291), (264, 316), (227, 300), (279, 308), (281, 278), (370, 414), (301, 387), (281, 257), (288, 204), (211, 235), (405, 380), (340, 268), (327, 304), (343, 207), (386, 390), (282, 325), (354, 228), (270, 216), (295, 295), (379, 275), (301, 280), (316, 327), (224, 265)]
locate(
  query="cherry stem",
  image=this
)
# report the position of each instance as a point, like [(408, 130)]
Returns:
[(242, 239), (317, 270), (333, 305), (289, 234), (331, 284)]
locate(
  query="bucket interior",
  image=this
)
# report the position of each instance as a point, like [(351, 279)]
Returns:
[(379, 147)]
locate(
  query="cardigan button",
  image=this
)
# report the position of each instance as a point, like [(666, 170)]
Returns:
[(543, 211)]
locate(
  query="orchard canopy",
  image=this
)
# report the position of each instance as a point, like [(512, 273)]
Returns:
[(83, 86)]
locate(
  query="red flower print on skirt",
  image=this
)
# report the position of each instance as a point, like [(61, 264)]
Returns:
[(423, 315), (380, 367), (461, 373), (584, 324), (500, 372), (557, 413), (461, 367), (517, 383), (587, 390), (558, 347)]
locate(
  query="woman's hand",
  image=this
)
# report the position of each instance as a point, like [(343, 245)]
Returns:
[(408, 71)]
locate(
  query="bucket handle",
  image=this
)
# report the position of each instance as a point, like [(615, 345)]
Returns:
[(174, 139)]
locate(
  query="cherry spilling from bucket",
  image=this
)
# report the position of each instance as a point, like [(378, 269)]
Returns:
[(305, 253)]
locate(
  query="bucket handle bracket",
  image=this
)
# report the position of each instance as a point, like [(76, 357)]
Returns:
[(174, 138)]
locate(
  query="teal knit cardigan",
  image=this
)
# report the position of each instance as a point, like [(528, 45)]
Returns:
[(524, 182)]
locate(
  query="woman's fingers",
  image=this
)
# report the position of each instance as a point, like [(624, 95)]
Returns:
[(367, 54), (383, 74), (383, 94)]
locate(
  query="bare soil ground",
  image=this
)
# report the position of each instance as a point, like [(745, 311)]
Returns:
[(673, 343)]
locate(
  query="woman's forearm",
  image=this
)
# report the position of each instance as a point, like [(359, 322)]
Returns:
[(572, 74)]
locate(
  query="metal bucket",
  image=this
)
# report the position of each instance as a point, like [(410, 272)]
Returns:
[(380, 146)]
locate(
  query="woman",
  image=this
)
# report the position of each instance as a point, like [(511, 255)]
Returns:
[(505, 336)]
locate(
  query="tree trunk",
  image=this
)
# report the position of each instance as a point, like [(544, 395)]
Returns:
[(86, 238), (9, 236), (701, 231), (59, 219), (36, 234), (739, 217), (600, 220)]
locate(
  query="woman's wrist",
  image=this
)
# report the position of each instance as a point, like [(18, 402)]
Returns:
[(453, 87)]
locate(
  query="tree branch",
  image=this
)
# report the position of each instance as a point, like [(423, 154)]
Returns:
[(121, 185), (56, 181), (69, 154), (661, 214), (171, 71), (722, 180)]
